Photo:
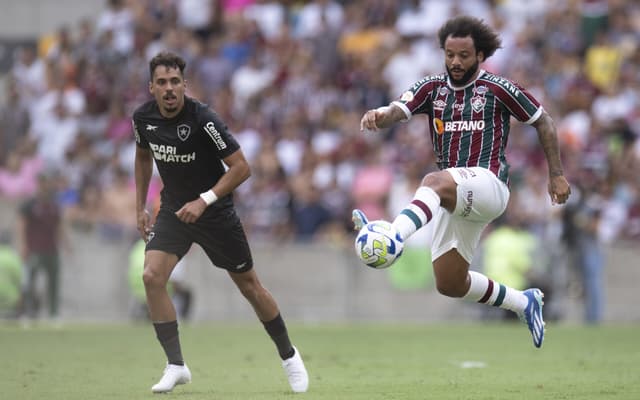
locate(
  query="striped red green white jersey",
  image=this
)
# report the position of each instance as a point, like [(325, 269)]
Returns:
[(470, 124)]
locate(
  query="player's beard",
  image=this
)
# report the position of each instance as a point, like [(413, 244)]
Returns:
[(172, 108), (466, 77)]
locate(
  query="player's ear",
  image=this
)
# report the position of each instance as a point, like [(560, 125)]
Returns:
[(480, 56), (150, 87)]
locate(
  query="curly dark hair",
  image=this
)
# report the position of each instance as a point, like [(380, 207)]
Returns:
[(484, 38), (167, 59)]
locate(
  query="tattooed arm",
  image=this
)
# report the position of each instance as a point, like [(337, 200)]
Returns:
[(559, 188)]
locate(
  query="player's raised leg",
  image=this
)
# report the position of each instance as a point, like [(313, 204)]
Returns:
[(267, 311), (157, 269)]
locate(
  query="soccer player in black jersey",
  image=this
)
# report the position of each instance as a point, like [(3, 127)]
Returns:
[(470, 111), (191, 147)]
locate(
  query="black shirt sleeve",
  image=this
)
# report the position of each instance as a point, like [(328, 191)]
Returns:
[(223, 142), (140, 140)]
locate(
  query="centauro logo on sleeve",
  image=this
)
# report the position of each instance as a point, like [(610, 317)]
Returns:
[(210, 128)]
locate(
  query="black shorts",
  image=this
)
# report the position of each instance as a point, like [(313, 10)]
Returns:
[(219, 233)]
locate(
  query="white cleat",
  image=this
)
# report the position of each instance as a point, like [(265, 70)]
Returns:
[(296, 372), (173, 375)]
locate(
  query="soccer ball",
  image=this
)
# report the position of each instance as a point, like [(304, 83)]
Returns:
[(378, 244)]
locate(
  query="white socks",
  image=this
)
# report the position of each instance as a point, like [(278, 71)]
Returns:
[(484, 290), (418, 213)]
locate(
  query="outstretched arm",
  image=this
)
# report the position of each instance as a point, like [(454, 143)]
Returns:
[(381, 117), (559, 188)]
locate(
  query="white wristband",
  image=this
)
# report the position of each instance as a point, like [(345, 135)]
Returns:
[(209, 197)]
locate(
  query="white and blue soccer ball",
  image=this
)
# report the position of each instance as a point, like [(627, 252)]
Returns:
[(378, 244)]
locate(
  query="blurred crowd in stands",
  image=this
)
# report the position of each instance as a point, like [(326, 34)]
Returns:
[(292, 79)]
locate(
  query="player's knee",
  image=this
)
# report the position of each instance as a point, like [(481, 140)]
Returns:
[(152, 279), (443, 184), (450, 289), (251, 290), (435, 181)]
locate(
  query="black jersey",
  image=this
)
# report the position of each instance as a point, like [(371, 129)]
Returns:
[(188, 150)]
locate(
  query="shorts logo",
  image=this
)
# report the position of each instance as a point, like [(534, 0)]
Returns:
[(473, 174), (150, 236), (468, 204), (467, 173), (184, 131)]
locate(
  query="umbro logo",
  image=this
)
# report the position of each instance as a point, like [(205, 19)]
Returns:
[(152, 128)]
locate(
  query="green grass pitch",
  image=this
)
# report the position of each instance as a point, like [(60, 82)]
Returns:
[(362, 361)]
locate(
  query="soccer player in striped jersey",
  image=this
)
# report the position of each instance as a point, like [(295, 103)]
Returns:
[(469, 110)]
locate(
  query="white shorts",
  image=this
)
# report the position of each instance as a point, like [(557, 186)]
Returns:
[(482, 197)]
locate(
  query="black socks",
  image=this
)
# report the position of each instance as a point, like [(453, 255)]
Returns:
[(278, 332), (167, 333)]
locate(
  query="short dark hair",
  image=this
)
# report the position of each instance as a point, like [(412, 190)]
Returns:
[(484, 38), (167, 59)]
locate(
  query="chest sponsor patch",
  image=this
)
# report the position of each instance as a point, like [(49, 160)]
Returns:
[(441, 126), (464, 126)]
